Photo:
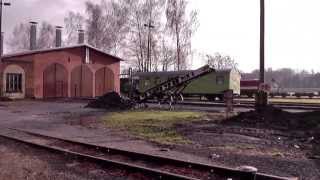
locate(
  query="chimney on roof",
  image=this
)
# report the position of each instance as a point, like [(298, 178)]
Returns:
[(81, 36), (33, 36), (1, 48), (58, 36)]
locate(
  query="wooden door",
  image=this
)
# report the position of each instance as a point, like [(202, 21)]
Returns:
[(81, 82), (55, 81), (104, 81)]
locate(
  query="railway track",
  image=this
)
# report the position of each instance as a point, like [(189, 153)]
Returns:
[(251, 105), (241, 101), (154, 167), (283, 103)]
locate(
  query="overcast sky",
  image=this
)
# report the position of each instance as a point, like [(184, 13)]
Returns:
[(230, 27)]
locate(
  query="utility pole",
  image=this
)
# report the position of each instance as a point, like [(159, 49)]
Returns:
[(1, 36), (262, 40), (148, 64), (262, 96)]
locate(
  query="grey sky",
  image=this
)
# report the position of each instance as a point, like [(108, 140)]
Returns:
[(38, 10), (227, 26)]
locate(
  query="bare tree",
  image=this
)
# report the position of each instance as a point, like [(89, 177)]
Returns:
[(20, 38), (138, 39), (106, 24), (46, 37), (73, 22), (137, 31), (117, 13), (219, 61), (287, 78), (95, 25), (181, 27), (146, 29), (119, 27), (166, 55)]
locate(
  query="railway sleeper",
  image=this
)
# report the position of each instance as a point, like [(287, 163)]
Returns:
[(214, 170)]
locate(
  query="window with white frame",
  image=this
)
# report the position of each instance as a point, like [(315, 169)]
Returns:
[(13, 83)]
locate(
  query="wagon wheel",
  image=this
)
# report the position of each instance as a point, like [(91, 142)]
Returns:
[(181, 97), (171, 102)]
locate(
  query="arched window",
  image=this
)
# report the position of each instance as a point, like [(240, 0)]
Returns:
[(14, 79)]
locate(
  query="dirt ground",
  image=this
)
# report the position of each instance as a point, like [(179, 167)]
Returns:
[(19, 162), (275, 141), (272, 150), (275, 151)]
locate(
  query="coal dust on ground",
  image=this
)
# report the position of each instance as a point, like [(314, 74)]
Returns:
[(306, 123), (111, 101)]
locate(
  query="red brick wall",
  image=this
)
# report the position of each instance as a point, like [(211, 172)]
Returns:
[(104, 81), (71, 59), (82, 81), (55, 83), (99, 61), (36, 64), (27, 65)]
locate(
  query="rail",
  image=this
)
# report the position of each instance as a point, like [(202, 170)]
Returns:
[(167, 168)]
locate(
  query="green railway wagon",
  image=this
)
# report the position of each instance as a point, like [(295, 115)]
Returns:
[(211, 86)]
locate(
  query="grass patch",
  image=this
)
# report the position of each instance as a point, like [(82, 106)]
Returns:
[(156, 126)]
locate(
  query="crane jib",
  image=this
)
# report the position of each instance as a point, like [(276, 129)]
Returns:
[(173, 86)]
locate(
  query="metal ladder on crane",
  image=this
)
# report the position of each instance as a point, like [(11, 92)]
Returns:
[(172, 88)]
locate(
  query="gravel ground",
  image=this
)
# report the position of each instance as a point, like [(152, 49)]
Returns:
[(19, 162), (271, 151)]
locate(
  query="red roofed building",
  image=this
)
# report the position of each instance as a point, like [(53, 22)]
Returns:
[(63, 72)]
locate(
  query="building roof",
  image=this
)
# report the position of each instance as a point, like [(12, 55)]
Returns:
[(32, 52)]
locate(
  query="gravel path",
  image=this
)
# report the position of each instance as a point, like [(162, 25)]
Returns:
[(19, 162), (212, 143)]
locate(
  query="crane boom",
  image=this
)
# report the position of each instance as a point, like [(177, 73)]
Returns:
[(173, 86)]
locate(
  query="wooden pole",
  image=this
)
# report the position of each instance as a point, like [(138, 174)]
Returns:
[(262, 39), (262, 96)]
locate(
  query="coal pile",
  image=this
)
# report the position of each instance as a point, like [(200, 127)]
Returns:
[(111, 101), (277, 118)]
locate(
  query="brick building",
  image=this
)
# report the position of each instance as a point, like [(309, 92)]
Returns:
[(60, 72), (76, 71)]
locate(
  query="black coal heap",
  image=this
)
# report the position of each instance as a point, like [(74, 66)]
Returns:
[(111, 101)]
